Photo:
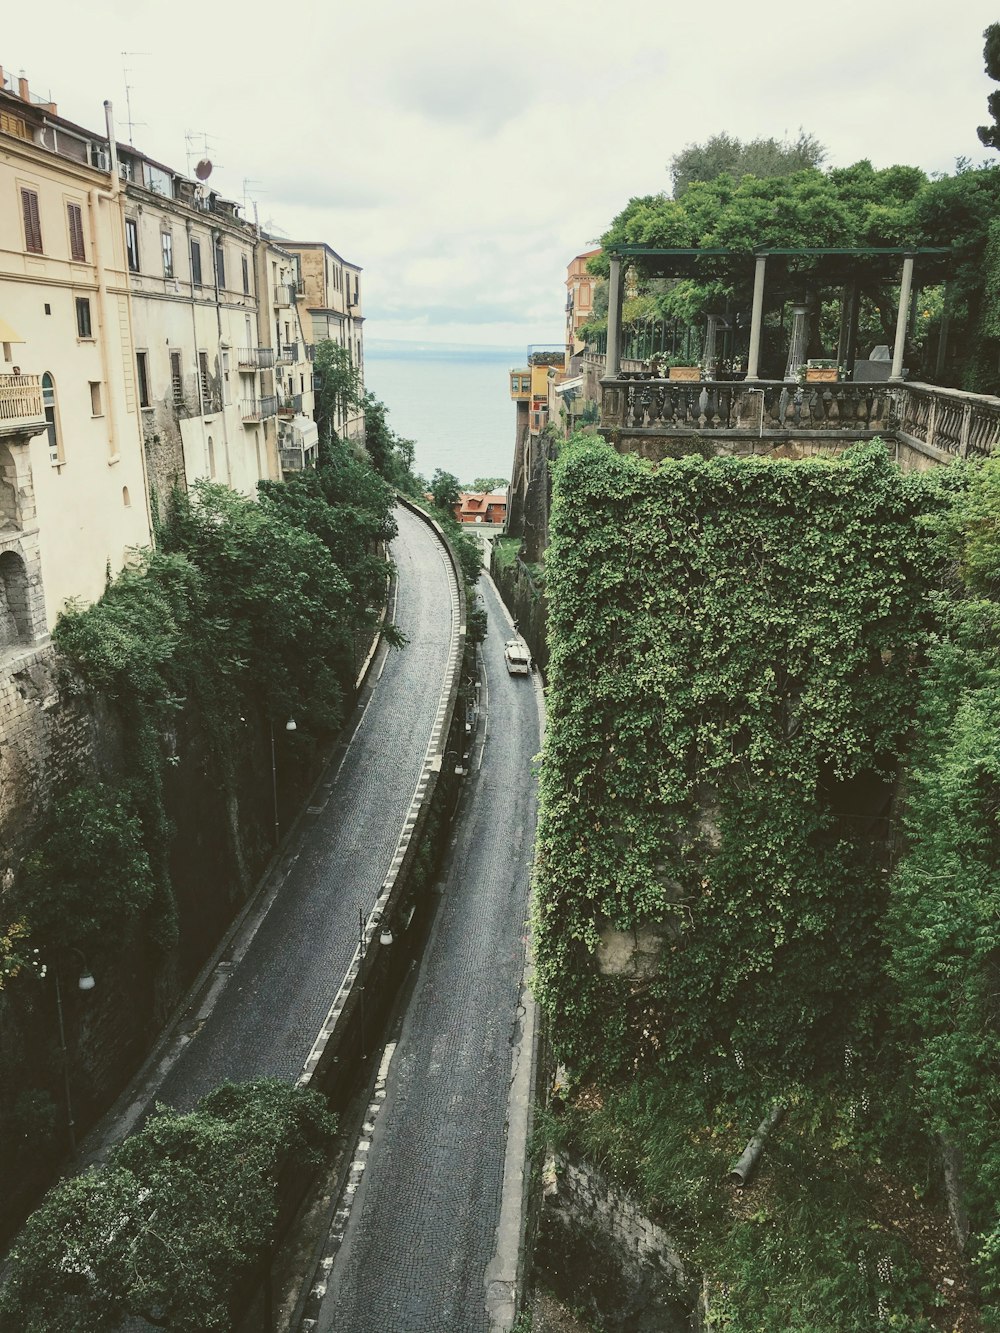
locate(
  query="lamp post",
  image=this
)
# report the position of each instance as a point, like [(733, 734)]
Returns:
[(289, 726), (86, 982)]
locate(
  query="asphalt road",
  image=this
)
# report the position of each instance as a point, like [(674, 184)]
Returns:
[(423, 1223), (264, 1012)]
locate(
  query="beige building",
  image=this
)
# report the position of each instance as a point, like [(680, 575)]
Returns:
[(73, 500), (579, 298), (330, 306)]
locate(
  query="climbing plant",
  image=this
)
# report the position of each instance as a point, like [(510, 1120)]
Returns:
[(734, 655)]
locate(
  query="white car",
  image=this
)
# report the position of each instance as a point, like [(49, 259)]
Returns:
[(517, 657)]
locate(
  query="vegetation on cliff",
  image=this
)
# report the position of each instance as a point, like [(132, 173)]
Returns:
[(745, 657)]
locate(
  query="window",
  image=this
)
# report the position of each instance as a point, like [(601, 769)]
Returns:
[(225, 377), (32, 222), (203, 376), (220, 265), (167, 242), (132, 244), (142, 366), (211, 457), (84, 328), (95, 398), (74, 215), (49, 404), (246, 276), (126, 498), (176, 380), (196, 263)]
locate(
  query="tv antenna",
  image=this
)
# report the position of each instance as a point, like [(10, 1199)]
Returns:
[(126, 55), (204, 165)]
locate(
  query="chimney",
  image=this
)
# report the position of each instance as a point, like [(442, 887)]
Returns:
[(22, 89)]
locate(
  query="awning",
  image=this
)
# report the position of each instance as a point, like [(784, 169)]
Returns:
[(305, 431)]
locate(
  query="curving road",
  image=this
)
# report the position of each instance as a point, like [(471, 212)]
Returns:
[(268, 998), (423, 1225)]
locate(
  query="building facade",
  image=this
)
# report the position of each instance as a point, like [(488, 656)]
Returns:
[(73, 494), (329, 302)]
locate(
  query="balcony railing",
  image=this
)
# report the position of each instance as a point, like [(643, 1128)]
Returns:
[(254, 358), (290, 405), (310, 351), (258, 409), (949, 422), (296, 459), (284, 294), (763, 407), (21, 408), (288, 354)]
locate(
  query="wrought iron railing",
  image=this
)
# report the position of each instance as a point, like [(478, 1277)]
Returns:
[(290, 405), (259, 409)]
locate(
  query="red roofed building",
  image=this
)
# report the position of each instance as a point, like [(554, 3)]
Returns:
[(482, 507)]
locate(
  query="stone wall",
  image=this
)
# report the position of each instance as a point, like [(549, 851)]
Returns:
[(597, 1249), (527, 603)]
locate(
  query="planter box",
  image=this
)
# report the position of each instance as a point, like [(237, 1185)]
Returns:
[(822, 374), (685, 372)]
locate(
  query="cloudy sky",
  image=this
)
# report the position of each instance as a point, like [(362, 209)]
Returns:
[(463, 153)]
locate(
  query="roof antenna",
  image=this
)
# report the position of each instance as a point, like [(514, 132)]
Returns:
[(128, 94)]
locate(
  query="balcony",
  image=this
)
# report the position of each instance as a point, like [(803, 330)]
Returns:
[(22, 411), (310, 351), (936, 423), (284, 294), (258, 409), (290, 405), (288, 354), (254, 358), (294, 458)]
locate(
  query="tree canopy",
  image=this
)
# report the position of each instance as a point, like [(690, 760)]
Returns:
[(990, 134), (168, 1229), (725, 155)]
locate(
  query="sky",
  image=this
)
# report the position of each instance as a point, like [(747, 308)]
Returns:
[(463, 154)]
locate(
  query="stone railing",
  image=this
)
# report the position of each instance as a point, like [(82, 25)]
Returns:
[(948, 421), (20, 401), (761, 407)]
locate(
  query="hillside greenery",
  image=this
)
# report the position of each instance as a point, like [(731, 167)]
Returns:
[(758, 670)]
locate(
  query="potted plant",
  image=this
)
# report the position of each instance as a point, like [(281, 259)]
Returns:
[(821, 371)]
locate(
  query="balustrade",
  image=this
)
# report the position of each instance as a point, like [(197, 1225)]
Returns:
[(20, 401), (950, 421)]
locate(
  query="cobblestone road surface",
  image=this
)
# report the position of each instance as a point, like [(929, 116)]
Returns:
[(423, 1224), (274, 1003)]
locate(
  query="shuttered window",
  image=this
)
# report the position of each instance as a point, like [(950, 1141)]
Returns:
[(76, 247), (32, 222)]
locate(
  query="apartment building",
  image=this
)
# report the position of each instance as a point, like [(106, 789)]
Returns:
[(329, 301), (73, 496)]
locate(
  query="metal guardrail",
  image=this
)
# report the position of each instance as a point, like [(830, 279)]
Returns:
[(258, 409)]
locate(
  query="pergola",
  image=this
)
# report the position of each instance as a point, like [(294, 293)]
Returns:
[(682, 261)]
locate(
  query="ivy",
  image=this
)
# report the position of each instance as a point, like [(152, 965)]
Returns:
[(734, 650)]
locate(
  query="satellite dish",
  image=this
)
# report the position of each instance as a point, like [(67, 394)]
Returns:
[(204, 169)]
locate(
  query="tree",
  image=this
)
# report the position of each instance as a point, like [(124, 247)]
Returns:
[(167, 1231), (487, 484), (990, 134), (89, 874), (338, 388), (725, 155), (445, 490), (391, 456)]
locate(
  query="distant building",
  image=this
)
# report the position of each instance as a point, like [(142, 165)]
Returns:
[(579, 297), (482, 507), (329, 301)]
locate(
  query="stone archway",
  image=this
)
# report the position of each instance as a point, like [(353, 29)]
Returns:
[(10, 511), (15, 606)]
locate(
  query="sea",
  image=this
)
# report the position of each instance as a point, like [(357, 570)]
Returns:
[(452, 400)]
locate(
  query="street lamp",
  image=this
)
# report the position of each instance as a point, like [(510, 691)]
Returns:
[(85, 982), (289, 726)]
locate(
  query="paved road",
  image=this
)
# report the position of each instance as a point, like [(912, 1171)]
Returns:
[(423, 1223), (266, 1012)]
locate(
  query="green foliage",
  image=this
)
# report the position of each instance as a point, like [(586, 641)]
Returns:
[(391, 455), (945, 897), (734, 646), (487, 484), (990, 134), (89, 875), (167, 1230), (445, 490), (725, 155), (338, 389)]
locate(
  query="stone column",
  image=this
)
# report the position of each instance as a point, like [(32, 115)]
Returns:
[(902, 315), (847, 346), (756, 317), (800, 340), (612, 364)]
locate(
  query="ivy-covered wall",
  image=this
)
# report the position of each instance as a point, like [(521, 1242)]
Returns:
[(734, 661)]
